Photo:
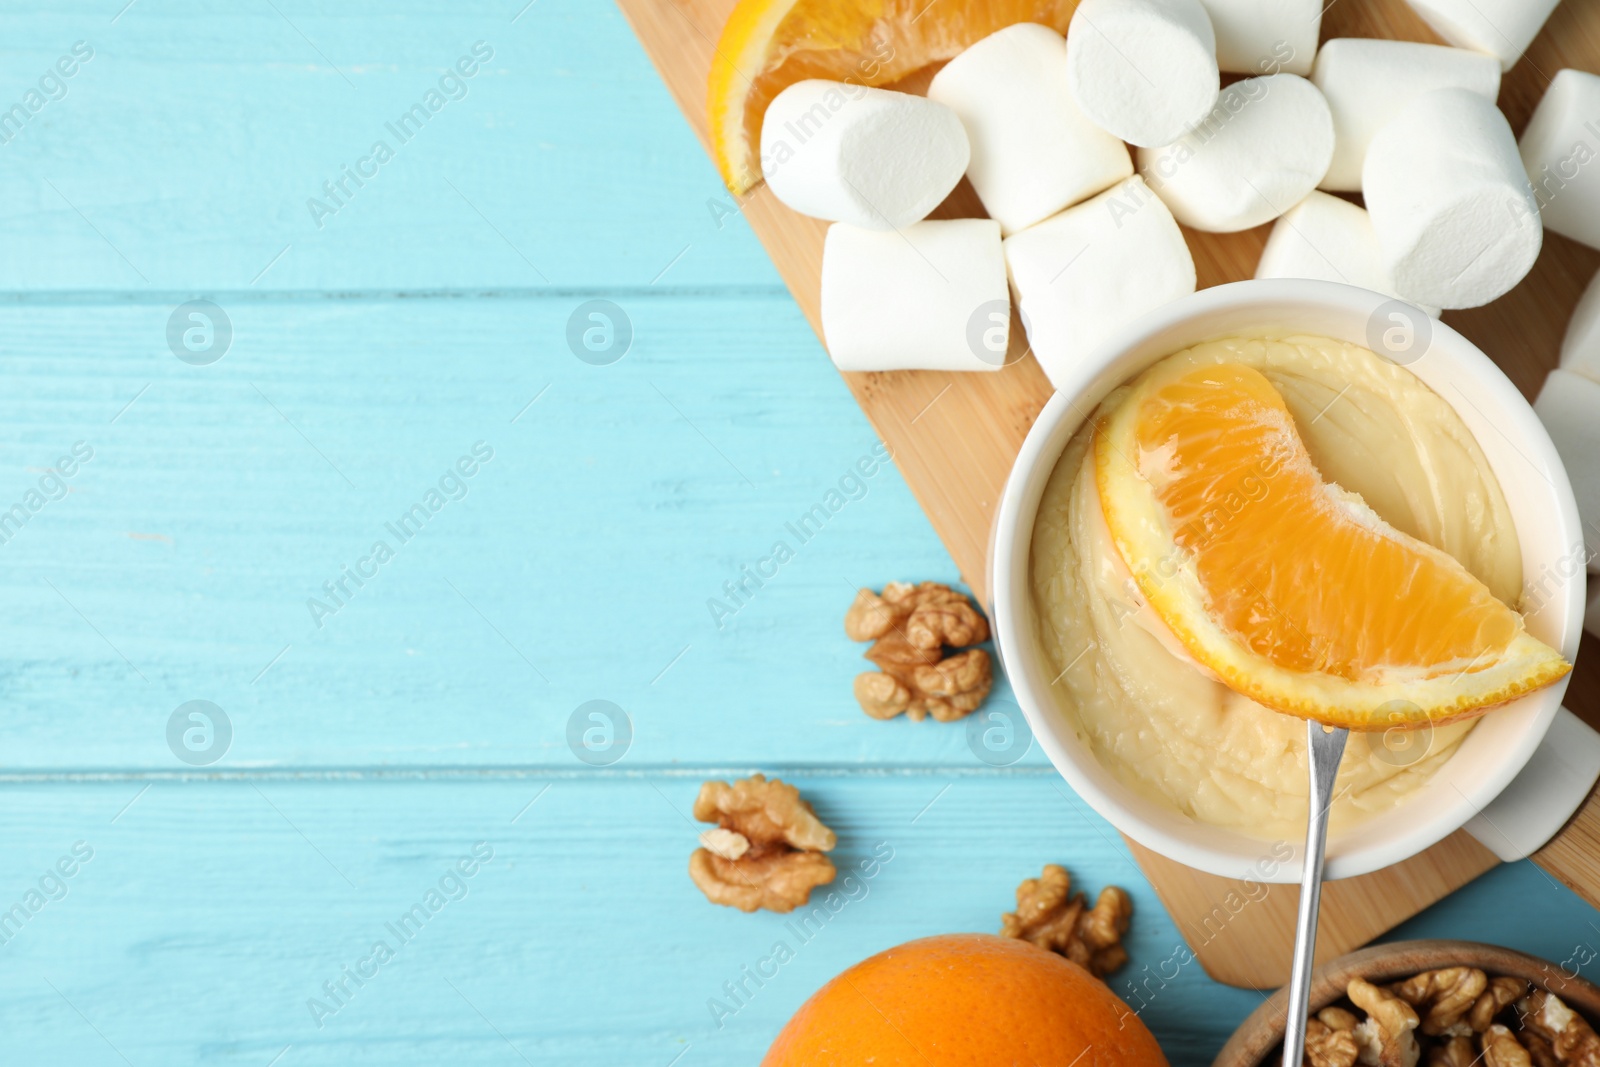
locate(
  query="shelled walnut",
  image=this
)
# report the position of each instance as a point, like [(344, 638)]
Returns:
[(1454, 1051), (1450, 1017), (1337, 1018), (1499, 994), (1386, 1035), (1502, 1049), (1539, 1050), (767, 848), (1328, 1046), (1572, 1040), (1445, 995), (1050, 916), (910, 627)]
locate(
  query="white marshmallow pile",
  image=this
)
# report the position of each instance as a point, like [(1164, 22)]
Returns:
[(1040, 125), (1502, 28), (1263, 149), (1448, 198), (1328, 239), (1265, 36), (1144, 70), (1561, 152), (868, 157), (925, 297), (1033, 151), (1368, 81), (1093, 268)]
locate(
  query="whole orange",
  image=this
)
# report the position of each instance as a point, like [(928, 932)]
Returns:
[(965, 1000)]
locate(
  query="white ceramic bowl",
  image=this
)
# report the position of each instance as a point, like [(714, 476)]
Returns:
[(1522, 458)]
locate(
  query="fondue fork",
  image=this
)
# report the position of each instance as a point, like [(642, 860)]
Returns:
[(1324, 747)]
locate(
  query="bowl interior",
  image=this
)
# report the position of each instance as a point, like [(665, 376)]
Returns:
[(1522, 459)]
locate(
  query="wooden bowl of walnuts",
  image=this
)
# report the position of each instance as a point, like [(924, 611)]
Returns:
[(1433, 1004)]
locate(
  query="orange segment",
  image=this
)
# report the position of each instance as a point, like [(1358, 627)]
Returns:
[(768, 45), (1288, 587)]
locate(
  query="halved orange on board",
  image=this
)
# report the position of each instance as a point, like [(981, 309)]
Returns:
[(1289, 588), (768, 45)]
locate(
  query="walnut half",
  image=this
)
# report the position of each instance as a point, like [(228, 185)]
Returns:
[(1328, 1046), (1338, 1018), (1502, 1049), (766, 851), (1539, 1050), (910, 626), (1456, 1051), (931, 615), (1386, 1036), (1050, 916), (947, 689), (1571, 1039), (1446, 996), (1500, 994)]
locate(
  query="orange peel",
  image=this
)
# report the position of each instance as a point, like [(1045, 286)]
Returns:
[(768, 45), (1287, 587)]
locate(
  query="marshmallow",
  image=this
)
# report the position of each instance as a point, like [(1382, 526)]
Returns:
[(1580, 348), (1146, 70), (1261, 150), (868, 157), (1329, 239), (1569, 407), (1367, 81), (1093, 268), (1033, 151), (931, 296), (1450, 202), (1265, 36), (1502, 28), (1560, 148)]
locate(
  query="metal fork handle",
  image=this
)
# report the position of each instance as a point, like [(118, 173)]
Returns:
[(1324, 748)]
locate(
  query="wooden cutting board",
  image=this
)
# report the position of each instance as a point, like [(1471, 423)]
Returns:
[(954, 437)]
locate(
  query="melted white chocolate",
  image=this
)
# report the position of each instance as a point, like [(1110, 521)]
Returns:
[(1164, 725)]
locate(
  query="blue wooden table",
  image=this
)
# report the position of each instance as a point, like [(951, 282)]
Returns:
[(382, 508)]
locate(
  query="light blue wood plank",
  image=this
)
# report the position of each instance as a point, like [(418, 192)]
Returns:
[(578, 565), (183, 154), (179, 163), (212, 912)]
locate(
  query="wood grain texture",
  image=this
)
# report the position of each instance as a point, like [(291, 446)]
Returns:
[(382, 747), (217, 505), (214, 909), (1236, 928), (955, 435), (221, 907), (184, 154)]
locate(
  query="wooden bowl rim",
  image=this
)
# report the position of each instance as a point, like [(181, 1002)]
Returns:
[(1262, 1030)]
